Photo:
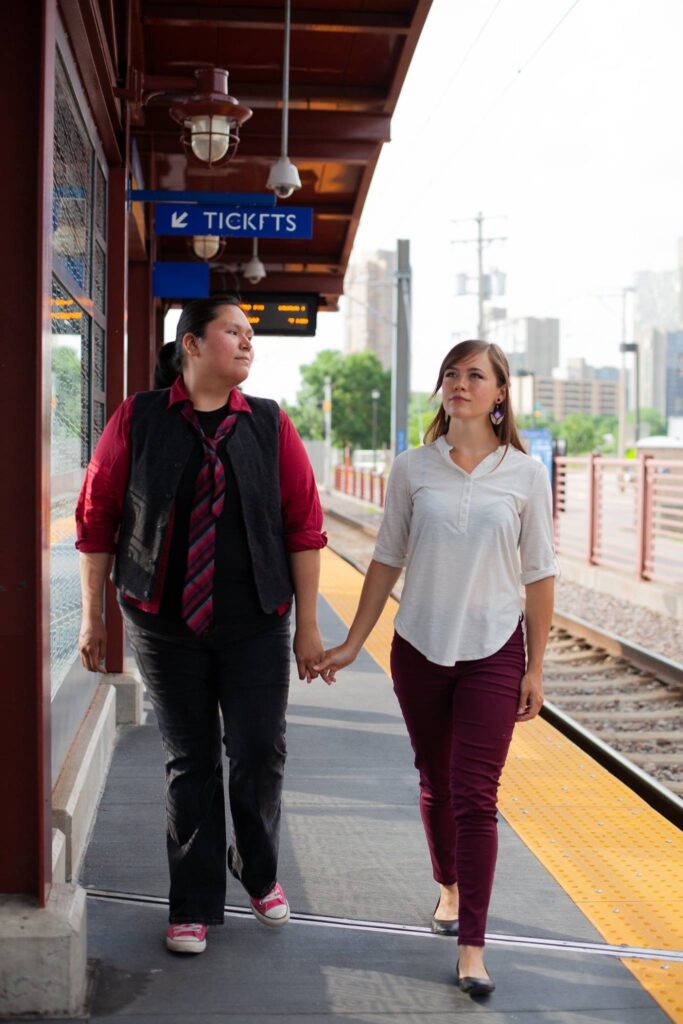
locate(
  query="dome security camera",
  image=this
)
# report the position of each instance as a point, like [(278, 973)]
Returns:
[(254, 271), (283, 178)]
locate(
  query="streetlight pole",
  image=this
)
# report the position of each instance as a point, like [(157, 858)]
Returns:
[(327, 425), (375, 398), (623, 405)]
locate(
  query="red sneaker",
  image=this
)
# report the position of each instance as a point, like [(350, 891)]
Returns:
[(273, 909), (186, 938)]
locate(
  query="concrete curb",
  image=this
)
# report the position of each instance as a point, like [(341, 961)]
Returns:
[(78, 789)]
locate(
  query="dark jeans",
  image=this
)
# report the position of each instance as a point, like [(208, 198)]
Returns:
[(188, 681), (460, 721)]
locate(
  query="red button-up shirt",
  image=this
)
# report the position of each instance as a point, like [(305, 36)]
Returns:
[(100, 503)]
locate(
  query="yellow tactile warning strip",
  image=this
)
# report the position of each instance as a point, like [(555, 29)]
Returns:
[(61, 529), (618, 860)]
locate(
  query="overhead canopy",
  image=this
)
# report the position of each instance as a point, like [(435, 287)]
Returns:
[(349, 59)]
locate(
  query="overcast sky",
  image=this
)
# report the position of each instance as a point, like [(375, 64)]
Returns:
[(576, 144)]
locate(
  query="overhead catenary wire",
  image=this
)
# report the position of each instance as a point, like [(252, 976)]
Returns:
[(481, 118), (449, 84)]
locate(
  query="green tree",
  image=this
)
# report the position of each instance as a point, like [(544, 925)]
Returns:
[(354, 378), (580, 433), (654, 420), (421, 411), (66, 383)]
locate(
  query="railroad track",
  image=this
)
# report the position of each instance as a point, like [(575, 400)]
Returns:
[(618, 701)]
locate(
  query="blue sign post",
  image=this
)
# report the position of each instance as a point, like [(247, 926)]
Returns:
[(540, 444), (180, 280), (233, 221)]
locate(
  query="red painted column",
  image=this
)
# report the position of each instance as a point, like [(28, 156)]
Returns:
[(141, 328), (117, 292), (25, 851)]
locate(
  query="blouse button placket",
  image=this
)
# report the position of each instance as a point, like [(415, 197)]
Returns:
[(465, 505)]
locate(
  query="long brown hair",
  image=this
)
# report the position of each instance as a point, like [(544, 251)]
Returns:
[(506, 430)]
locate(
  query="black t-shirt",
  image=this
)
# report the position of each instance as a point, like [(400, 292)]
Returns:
[(236, 607)]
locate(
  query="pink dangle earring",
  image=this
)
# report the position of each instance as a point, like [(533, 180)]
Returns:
[(496, 415)]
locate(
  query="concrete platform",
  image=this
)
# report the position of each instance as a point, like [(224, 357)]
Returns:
[(352, 848)]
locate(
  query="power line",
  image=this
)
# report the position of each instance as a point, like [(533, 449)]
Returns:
[(529, 59), (446, 89), (481, 118)]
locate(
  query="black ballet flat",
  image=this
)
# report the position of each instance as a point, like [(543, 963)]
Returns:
[(473, 986), (443, 927)]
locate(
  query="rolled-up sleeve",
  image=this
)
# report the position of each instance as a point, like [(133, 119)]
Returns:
[(100, 503), (392, 540), (302, 514), (536, 550)]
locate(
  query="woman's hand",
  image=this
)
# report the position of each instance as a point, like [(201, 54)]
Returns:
[(308, 649), (335, 659), (530, 695), (92, 643)]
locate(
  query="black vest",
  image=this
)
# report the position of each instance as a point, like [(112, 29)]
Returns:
[(161, 441)]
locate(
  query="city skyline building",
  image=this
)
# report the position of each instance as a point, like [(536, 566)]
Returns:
[(558, 398), (531, 343), (369, 314)]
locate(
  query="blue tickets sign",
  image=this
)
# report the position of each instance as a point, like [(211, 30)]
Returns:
[(233, 221)]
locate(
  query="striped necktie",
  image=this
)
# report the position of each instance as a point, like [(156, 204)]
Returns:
[(209, 498)]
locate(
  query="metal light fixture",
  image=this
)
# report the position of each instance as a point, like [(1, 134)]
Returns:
[(253, 270), (206, 247), (284, 177), (211, 118)]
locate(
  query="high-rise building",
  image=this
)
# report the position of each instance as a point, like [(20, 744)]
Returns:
[(657, 300), (674, 374), (652, 370), (369, 290), (531, 343), (555, 397)]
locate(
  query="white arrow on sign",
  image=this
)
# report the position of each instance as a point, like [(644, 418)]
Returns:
[(179, 220)]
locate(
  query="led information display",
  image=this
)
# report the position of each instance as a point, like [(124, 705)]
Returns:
[(287, 315)]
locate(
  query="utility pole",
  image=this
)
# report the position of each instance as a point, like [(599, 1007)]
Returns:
[(481, 328), (480, 242), (400, 364), (623, 379), (327, 422)]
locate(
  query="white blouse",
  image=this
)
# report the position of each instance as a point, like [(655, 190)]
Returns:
[(467, 541)]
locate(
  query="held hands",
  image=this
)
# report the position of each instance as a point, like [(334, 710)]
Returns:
[(335, 659), (308, 649), (530, 695), (92, 643)]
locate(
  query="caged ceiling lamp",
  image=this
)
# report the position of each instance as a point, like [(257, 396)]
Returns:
[(210, 118), (207, 247)]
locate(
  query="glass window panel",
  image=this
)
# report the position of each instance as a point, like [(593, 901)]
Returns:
[(72, 203), (100, 201), (70, 450), (97, 420), (98, 357), (99, 272)]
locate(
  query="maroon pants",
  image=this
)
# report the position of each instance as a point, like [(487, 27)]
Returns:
[(460, 721)]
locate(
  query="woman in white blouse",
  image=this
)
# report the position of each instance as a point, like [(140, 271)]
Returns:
[(469, 517)]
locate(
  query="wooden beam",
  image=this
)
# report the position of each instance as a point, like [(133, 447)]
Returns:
[(189, 15), (327, 284)]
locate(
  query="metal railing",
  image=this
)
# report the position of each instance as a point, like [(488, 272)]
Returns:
[(623, 514), (360, 483)]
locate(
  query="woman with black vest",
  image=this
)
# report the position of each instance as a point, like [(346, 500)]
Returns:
[(206, 502)]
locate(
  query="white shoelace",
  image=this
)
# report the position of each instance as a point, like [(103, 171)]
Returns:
[(194, 929)]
